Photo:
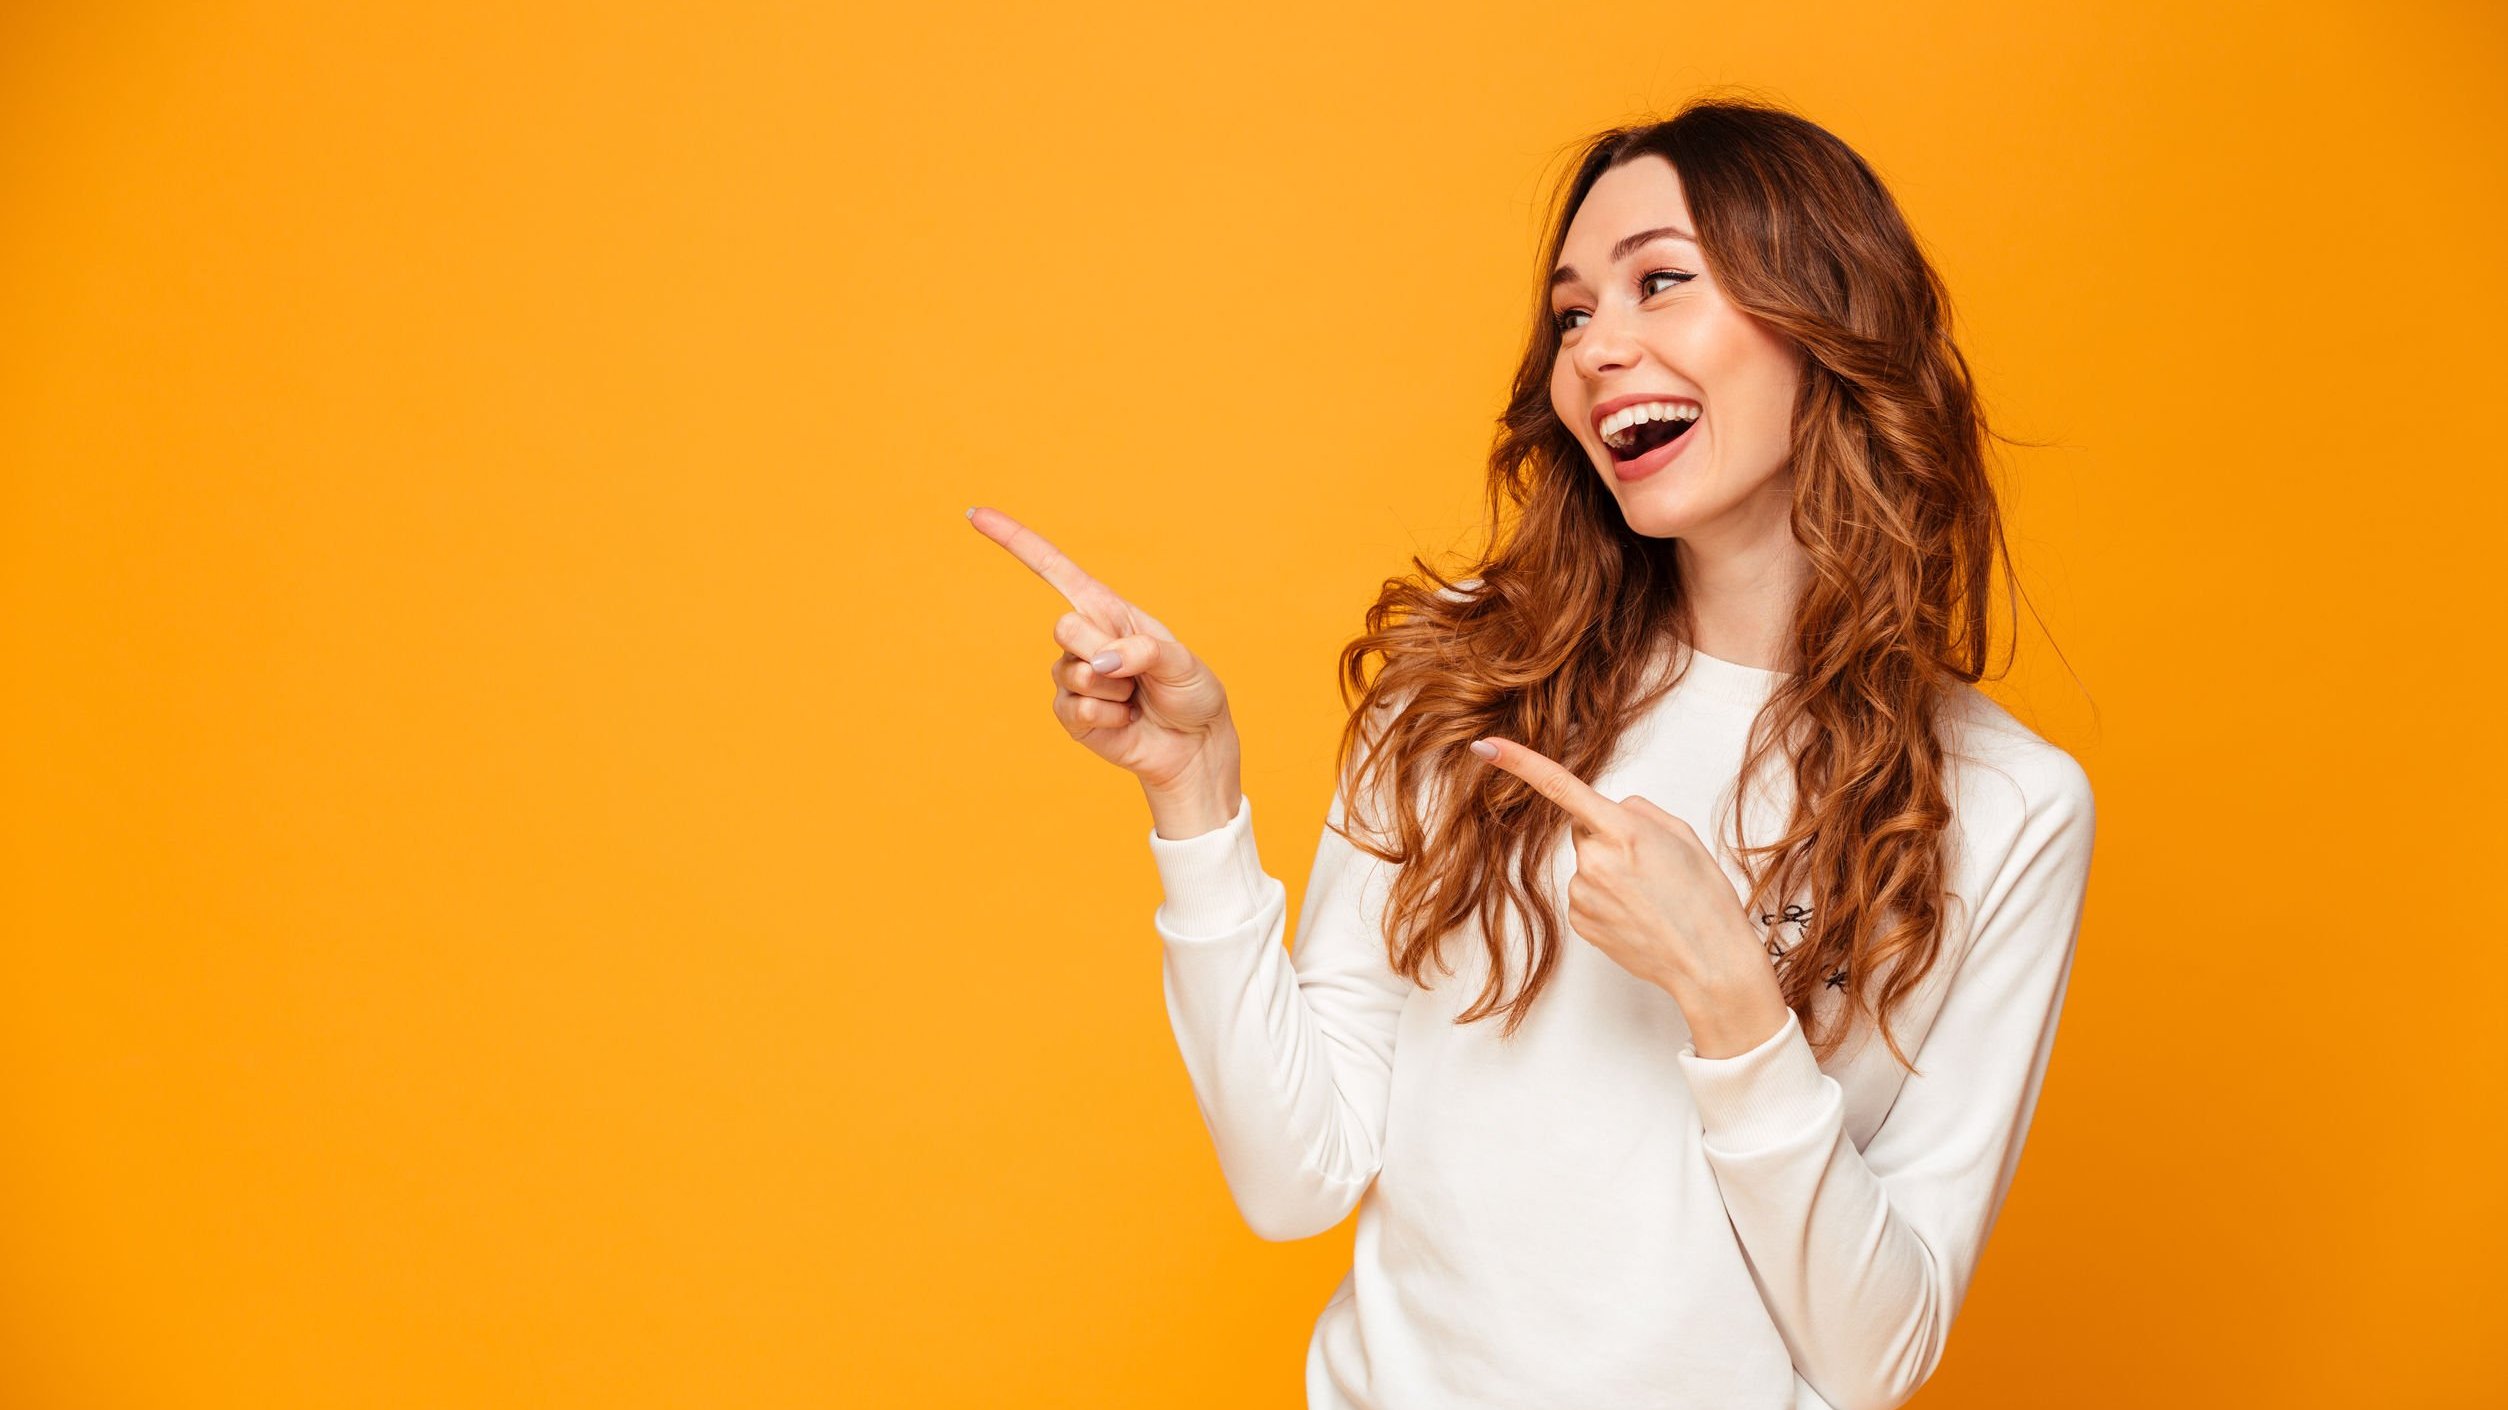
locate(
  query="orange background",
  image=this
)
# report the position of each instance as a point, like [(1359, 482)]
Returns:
[(538, 869)]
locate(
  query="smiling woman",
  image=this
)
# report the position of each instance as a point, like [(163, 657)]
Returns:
[(1826, 515), (1747, 1119)]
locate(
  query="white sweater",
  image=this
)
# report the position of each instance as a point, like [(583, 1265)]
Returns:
[(1590, 1214)]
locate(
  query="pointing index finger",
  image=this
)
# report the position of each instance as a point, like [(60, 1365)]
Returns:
[(1083, 592), (1552, 780)]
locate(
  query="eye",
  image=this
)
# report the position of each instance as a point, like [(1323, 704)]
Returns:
[(1559, 320)]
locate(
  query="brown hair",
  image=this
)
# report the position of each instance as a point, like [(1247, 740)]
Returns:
[(1554, 645)]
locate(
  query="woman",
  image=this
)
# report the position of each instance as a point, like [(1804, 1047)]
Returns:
[(1741, 1127)]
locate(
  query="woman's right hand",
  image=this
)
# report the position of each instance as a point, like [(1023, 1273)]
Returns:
[(1154, 708)]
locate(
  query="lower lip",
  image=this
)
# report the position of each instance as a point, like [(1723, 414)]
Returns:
[(1657, 458)]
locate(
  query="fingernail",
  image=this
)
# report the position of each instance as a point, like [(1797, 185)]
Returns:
[(1105, 661), (1485, 749)]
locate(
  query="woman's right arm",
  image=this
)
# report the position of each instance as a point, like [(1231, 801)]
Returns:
[(1290, 1052)]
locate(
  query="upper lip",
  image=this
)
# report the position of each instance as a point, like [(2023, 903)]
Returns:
[(1604, 409)]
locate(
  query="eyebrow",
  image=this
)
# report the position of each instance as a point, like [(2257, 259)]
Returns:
[(1620, 251)]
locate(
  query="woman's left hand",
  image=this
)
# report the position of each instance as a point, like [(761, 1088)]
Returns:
[(1648, 893)]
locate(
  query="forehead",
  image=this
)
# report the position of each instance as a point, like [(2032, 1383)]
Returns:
[(1638, 194)]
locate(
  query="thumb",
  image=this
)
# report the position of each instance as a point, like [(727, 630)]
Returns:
[(1647, 808), (1163, 659)]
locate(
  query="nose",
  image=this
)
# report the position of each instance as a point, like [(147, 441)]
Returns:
[(1607, 342)]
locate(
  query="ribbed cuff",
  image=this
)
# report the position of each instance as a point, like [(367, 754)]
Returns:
[(1213, 880), (1762, 1097)]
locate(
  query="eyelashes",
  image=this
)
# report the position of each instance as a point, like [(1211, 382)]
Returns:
[(1559, 320)]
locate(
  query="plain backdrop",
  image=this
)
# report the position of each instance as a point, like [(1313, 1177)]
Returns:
[(537, 866)]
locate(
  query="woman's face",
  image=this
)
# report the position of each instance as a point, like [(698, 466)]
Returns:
[(1643, 324)]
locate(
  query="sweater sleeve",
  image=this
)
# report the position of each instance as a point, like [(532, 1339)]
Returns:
[(1863, 1256), (1290, 1051)]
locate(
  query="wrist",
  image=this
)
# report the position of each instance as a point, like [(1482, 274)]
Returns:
[(1200, 799), (1729, 1022)]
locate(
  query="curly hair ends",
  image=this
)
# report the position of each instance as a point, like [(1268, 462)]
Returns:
[(1554, 636)]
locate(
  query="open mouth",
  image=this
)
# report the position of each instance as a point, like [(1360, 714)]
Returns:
[(1646, 436)]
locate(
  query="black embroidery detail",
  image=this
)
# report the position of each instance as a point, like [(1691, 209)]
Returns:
[(1837, 980), (1798, 915)]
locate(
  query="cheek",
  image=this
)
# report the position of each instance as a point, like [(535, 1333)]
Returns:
[(1761, 370), (1571, 419)]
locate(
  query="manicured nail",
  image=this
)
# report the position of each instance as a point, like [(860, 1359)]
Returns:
[(1485, 749), (1105, 661)]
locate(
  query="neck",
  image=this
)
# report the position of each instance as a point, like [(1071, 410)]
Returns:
[(1741, 598)]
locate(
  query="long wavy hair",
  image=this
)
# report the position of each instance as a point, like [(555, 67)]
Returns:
[(1556, 644)]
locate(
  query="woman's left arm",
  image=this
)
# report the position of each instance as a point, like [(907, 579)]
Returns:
[(1863, 1256)]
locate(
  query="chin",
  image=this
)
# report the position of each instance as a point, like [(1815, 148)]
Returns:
[(1660, 526), (1656, 507)]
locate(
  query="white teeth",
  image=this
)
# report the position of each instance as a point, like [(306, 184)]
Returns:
[(1616, 425)]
